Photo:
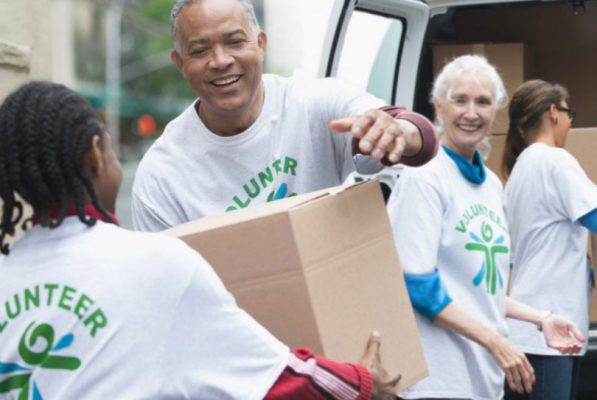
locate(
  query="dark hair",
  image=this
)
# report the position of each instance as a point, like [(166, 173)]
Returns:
[(46, 130), (528, 105)]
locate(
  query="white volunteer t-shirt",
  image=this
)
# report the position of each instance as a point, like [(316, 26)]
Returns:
[(191, 173), (125, 315), (442, 220), (545, 196)]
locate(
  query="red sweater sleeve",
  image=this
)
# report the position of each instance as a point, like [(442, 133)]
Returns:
[(308, 376)]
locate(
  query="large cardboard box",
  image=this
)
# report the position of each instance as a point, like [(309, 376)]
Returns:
[(514, 62), (318, 270), (582, 144)]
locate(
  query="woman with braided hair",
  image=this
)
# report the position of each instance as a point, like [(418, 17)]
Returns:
[(90, 310), (44, 166)]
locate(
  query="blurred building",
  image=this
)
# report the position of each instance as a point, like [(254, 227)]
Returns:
[(25, 47)]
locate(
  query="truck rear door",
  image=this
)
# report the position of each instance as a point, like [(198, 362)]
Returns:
[(376, 45)]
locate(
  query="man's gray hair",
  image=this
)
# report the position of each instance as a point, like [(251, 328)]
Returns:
[(181, 4)]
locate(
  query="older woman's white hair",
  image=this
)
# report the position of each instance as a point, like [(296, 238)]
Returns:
[(471, 66)]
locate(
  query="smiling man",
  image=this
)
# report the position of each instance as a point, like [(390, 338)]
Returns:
[(251, 137)]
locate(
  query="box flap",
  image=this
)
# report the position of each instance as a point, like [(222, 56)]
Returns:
[(251, 213), (322, 227)]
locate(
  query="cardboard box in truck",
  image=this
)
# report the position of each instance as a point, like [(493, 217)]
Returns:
[(318, 270)]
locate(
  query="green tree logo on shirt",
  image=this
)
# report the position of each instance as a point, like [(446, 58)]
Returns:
[(489, 271), (280, 193), (37, 350)]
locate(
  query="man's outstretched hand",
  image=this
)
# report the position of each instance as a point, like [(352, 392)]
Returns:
[(380, 135)]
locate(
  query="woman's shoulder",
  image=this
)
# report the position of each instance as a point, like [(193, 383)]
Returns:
[(148, 248), (539, 153)]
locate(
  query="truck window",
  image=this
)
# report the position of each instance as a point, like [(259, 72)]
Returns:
[(371, 52)]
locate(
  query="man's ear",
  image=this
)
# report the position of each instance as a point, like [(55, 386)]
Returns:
[(262, 41), (177, 60), (95, 156)]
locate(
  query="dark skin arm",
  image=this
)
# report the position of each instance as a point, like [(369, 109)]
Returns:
[(384, 384)]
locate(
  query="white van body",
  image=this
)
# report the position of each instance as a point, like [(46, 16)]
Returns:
[(392, 48)]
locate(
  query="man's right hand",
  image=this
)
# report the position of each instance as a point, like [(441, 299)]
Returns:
[(384, 384)]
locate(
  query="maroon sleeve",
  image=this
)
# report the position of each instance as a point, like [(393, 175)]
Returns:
[(308, 376), (428, 135), (429, 139)]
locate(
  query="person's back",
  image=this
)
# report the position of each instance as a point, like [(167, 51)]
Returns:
[(548, 247), (546, 198), (90, 310), (536, 205), (102, 312)]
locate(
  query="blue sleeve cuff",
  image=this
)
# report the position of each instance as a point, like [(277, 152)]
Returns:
[(589, 221), (427, 293)]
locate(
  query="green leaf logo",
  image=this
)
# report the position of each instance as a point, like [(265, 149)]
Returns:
[(489, 269), (37, 350)]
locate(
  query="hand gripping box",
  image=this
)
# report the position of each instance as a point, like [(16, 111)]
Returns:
[(318, 270)]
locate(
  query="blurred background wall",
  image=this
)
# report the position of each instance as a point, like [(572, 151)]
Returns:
[(25, 46)]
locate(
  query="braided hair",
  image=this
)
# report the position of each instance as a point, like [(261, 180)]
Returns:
[(46, 130)]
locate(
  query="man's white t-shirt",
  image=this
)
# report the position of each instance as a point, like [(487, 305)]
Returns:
[(104, 313), (545, 196), (442, 220), (191, 173)]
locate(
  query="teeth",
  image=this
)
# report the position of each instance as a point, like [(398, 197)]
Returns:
[(469, 127), (227, 81)]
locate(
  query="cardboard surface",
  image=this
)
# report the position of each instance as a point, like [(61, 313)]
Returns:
[(531, 23), (318, 270), (581, 143), (514, 62)]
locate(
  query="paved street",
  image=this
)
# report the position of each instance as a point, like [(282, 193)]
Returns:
[(123, 205)]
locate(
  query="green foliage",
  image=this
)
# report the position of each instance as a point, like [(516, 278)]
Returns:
[(147, 42)]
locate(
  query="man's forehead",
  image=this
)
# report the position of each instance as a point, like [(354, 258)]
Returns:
[(224, 34), (198, 19)]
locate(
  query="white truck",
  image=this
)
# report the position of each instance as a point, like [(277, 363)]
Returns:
[(393, 48)]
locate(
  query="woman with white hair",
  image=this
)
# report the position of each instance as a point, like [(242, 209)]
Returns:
[(453, 243)]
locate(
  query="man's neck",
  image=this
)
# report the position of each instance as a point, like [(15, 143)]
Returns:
[(230, 125)]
